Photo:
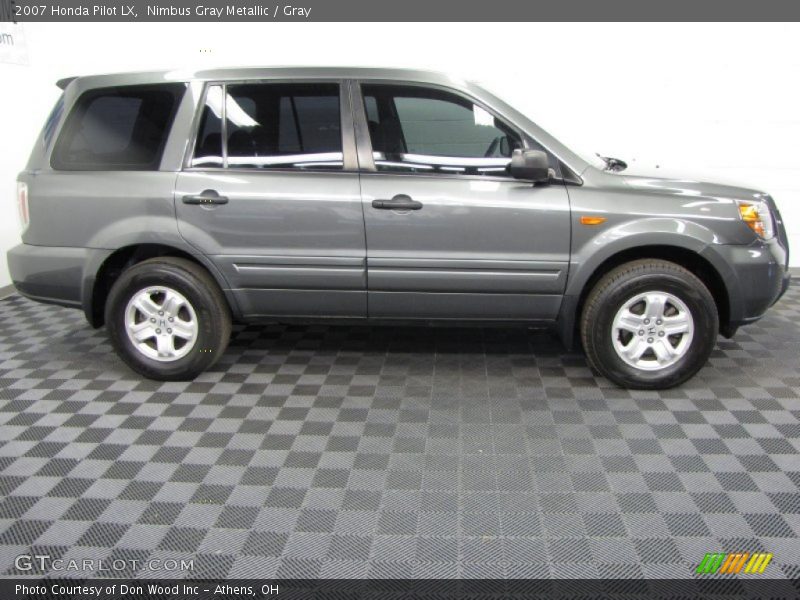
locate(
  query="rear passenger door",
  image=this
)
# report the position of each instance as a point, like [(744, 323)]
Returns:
[(271, 195)]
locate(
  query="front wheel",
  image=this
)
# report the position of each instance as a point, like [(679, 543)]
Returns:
[(649, 324), (167, 319)]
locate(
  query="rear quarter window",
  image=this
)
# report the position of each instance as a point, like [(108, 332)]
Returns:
[(121, 128), (52, 122)]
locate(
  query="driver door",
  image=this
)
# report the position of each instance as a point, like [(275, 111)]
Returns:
[(450, 235)]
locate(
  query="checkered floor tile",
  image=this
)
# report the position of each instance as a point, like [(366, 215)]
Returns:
[(395, 452)]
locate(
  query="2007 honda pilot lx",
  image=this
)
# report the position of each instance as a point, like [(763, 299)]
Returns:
[(167, 205)]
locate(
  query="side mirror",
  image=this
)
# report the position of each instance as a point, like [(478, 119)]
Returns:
[(530, 164)]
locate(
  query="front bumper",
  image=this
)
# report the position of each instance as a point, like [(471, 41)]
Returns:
[(756, 276), (787, 280)]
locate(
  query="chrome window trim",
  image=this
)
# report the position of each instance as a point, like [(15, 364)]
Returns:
[(366, 160), (345, 116)]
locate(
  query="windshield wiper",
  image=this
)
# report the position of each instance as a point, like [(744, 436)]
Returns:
[(615, 165)]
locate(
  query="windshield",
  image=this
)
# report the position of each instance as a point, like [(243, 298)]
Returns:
[(563, 148)]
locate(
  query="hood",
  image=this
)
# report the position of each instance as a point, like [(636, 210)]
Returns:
[(685, 188), (709, 196)]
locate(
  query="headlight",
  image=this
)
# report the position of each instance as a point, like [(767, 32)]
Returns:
[(757, 216)]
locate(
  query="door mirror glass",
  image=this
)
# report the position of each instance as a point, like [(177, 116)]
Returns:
[(505, 146), (532, 165)]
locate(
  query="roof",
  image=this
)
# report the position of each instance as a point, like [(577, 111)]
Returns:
[(235, 73)]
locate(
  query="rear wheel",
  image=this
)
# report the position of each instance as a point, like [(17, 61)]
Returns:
[(168, 319), (649, 324)]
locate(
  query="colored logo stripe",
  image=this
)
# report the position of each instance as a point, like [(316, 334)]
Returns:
[(734, 562), (758, 563), (710, 563)]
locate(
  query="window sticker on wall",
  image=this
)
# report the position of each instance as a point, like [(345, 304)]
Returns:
[(482, 117), (13, 48)]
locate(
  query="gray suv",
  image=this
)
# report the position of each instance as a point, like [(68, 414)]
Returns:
[(168, 205)]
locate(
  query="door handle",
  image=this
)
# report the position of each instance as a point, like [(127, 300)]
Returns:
[(398, 202), (205, 197)]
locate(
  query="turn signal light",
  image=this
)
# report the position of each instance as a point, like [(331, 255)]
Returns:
[(592, 220), (757, 217)]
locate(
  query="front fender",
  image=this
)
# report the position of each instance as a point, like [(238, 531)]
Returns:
[(594, 250)]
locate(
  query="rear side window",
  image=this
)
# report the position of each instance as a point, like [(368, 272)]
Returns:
[(123, 128), (269, 126)]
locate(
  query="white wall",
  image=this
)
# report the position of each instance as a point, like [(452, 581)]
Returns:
[(711, 101)]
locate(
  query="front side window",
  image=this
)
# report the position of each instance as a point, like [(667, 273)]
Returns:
[(271, 125), (123, 128), (425, 130)]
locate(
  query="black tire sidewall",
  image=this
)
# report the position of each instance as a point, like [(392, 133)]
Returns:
[(699, 302), (139, 277)]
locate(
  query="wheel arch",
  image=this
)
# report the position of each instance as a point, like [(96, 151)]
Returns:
[(689, 258), (97, 287)]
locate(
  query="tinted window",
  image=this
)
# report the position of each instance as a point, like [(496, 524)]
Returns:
[(208, 147), (122, 128), (272, 125), (52, 121), (431, 131)]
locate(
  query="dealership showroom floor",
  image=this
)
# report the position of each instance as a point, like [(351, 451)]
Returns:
[(395, 452)]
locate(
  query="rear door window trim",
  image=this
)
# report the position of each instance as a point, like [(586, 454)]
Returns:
[(350, 164)]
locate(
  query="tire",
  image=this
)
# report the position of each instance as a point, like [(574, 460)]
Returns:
[(616, 325), (197, 317)]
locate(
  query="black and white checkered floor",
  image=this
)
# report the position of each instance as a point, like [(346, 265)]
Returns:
[(389, 452)]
